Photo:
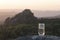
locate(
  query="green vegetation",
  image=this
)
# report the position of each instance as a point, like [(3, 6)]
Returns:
[(52, 26), (22, 24), (25, 23)]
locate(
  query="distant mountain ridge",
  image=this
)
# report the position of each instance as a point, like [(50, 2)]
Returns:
[(4, 13), (24, 17)]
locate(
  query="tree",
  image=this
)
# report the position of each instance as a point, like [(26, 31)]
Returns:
[(22, 24)]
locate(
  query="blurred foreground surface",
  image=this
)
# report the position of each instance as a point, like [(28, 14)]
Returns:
[(36, 37)]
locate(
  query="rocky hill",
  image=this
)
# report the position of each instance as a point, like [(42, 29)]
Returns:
[(24, 17)]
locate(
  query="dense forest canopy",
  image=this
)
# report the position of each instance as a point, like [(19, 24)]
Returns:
[(25, 23)]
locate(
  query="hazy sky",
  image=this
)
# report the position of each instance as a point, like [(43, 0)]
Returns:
[(31, 4)]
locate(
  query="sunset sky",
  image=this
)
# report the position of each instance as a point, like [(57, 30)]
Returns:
[(31, 4)]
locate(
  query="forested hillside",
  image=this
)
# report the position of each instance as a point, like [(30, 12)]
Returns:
[(25, 23)]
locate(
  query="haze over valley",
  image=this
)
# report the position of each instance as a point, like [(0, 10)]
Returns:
[(9, 7), (4, 13), (28, 19)]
